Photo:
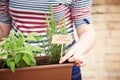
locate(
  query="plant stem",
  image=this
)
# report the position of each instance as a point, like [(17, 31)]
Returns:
[(62, 50)]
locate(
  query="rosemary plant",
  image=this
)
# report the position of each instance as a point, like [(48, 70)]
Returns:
[(56, 50)]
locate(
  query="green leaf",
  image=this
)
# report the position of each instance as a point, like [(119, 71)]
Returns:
[(33, 62), (6, 45), (28, 47), (18, 65), (33, 59), (37, 48), (3, 54), (26, 59), (17, 49), (23, 51), (20, 40), (12, 66), (38, 37), (30, 38), (14, 44), (11, 35), (63, 29), (1, 46), (22, 63), (8, 60), (18, 58)]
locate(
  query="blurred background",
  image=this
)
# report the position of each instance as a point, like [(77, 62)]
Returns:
[(103, 61)]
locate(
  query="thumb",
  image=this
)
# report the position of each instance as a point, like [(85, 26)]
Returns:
[(72, 59)]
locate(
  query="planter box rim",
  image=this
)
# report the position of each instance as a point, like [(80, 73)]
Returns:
[(39, 67)]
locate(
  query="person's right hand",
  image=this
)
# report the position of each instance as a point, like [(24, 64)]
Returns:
[(3, 8)]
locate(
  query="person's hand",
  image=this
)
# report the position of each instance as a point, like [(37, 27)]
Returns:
[(74, 56), (3, 8)]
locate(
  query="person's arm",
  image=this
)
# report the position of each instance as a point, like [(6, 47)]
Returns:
[(4, 29), (81, 13), (5, 19)]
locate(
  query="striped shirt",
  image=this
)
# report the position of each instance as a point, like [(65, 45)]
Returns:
[(30, 15), (4, 18)]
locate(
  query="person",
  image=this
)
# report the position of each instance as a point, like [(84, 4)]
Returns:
[(30, 16)]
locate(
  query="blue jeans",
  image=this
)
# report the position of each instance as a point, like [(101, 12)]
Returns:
[(76, 75)]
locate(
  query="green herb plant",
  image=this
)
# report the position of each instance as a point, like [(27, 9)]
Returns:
[(16, 53), (56, 51)]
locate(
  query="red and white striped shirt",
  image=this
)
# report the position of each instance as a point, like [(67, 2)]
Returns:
[(30, 15)]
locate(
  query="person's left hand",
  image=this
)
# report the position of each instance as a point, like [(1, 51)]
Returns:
[(74, 56)]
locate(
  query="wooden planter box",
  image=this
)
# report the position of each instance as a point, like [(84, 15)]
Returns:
[(43, 72)]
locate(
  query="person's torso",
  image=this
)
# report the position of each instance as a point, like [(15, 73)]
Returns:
[(30, 15)]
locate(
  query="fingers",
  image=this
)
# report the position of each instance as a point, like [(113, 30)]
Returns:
[(82, 64), (79, 61), (74, 57), (67, 56)]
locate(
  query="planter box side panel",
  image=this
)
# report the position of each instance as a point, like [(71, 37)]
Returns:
[(54, 72)]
